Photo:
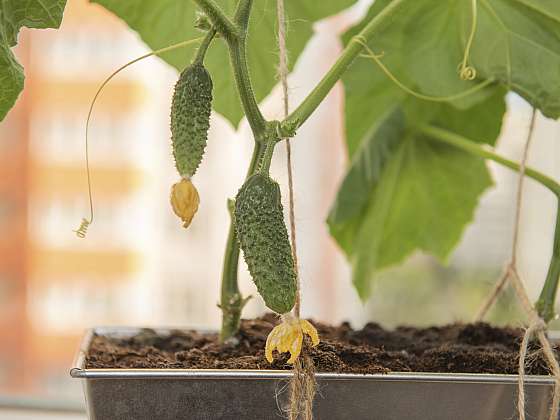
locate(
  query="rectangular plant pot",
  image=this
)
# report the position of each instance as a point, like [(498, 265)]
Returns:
[(148, 394)]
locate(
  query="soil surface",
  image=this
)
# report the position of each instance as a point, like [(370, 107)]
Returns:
[(455, 348)]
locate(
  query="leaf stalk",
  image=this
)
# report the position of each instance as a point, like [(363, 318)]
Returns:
[(356, 45), (547, 298)]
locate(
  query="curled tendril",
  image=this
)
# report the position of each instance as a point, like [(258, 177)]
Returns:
[(376, 58), (81, 232), (85, 223), (467, 72)]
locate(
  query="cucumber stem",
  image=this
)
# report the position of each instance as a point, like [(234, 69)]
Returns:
[(351, 51), (238, 58), (201, 53), (218, 18), (266, 160), (547, 297), (477, 148), (231, 302)]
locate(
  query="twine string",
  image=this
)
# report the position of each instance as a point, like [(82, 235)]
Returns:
[(511, 266), (283, 75), (537, 326), (302, 383)]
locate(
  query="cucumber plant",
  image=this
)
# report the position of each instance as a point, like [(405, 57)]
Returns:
[(424, 85)]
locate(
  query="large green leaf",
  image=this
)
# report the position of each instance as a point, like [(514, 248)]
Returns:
[(407, 192), (403, 192), (14, 14), (164, 22), (517, 42)]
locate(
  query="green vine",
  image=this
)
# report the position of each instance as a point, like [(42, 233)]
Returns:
[(234, 32), (290, 125), (203, 48)]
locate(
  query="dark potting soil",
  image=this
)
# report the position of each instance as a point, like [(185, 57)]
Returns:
[(455, 348)]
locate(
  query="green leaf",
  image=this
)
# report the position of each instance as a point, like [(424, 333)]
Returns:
[(517, 43), (14, 14), (405, 191), (164, 22)]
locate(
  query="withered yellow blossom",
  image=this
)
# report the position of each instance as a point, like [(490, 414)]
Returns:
[(184, 200), (288, 336)]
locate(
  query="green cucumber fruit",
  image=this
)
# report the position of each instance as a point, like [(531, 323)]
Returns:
[(190, 118), (263, 237)]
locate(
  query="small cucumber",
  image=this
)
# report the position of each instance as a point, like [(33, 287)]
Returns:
[(190, 118), (263, 238)]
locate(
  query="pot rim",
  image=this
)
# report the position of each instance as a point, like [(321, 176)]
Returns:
[(78, 370)]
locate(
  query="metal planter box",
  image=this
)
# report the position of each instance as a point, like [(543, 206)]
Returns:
[(171, 394)]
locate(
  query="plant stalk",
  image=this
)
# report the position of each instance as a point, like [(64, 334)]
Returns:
[(219, 19), (201, 52), (290, 125), (475, 148), (238, 58), (243, 13), (231, 302), (547, 297), (266, 160)]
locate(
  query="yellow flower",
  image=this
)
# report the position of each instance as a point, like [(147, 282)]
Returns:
[(184, 200), (288, 336)]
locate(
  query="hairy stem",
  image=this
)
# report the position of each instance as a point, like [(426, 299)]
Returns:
[(201, 52), (238, 58), (231, 302), (243, 13), (547, 297), (266, 160), (354, 47), (219, 19), (475, 148)]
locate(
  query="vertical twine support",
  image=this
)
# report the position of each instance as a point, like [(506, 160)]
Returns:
[(537, 326), (521, 179), (302, 384), (283, 75), (500, 284)]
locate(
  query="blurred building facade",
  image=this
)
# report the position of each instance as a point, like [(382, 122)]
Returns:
[(51, 283), (14, 161)]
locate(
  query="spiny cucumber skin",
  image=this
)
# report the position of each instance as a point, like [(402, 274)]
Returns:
[(190, 118), (263, 237)]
